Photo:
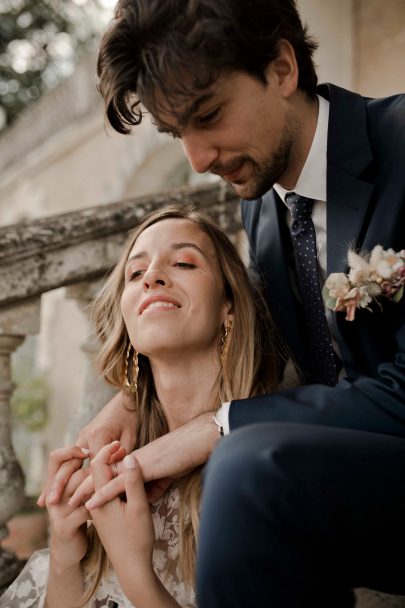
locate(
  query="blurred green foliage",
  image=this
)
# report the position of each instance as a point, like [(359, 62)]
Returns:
[(29, 402), (39, 43)]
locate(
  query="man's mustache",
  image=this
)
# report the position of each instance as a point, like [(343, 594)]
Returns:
[(231, 167)]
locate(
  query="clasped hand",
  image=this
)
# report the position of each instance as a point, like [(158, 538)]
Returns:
[(124, 526)]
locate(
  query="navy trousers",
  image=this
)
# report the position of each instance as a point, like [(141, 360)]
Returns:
[(295, 516)]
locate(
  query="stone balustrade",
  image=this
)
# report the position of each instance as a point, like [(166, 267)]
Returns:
[(74, 249)]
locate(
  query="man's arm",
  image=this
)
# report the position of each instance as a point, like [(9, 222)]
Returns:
[(170, 456), (375, 404)]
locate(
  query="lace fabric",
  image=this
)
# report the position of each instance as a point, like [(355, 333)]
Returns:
[(29, 589)]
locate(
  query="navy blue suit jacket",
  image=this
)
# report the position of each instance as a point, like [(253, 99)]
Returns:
[(365, 207)]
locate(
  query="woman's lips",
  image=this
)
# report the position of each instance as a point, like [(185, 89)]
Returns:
[(158, 303)]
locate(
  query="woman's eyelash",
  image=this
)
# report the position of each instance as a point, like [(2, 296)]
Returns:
[(135, 274), (185, 265)]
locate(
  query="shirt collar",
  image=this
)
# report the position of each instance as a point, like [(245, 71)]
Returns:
[(312, 180)]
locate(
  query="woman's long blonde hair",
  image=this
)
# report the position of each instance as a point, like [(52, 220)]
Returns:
[(250, 367)]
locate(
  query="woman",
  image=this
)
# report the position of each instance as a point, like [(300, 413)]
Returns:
[(183, 330)]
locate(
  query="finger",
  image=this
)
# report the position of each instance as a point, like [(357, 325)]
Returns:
[(54, 489), (107, 493), (61, 465), (41, 499), (75, 481), (118, 455), (95, 438), (79, 517), (82, 493), (104, 455), (134, 486), (156, 488), (61, 455), (100, 468)]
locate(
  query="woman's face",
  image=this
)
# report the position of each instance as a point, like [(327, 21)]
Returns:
[(173, 301)]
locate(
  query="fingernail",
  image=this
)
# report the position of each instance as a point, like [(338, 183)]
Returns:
[(85, 450), (89, 504), (51, 495), (129, 462)]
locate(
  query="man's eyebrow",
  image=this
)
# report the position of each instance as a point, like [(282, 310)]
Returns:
[(186, 116), (174, 246), (183, 118)]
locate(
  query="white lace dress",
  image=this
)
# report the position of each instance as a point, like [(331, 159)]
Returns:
[(29, 589)]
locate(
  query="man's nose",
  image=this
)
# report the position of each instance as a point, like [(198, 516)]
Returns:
[(201, 153)]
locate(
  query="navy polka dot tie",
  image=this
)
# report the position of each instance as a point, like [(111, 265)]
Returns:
[(322, 364)]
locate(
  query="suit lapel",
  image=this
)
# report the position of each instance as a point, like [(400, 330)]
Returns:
[(348, 201), (349, 159)]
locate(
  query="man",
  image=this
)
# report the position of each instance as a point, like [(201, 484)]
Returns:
[(305, 499)]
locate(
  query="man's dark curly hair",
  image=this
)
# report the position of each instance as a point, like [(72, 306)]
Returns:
[(169, 50)]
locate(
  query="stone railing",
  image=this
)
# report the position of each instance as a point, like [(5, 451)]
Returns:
[(74, 250)]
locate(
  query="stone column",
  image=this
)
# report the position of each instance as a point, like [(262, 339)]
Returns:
[(15, 323), (96, 392)]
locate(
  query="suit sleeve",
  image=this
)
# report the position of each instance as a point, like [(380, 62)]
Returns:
[(369, 403)]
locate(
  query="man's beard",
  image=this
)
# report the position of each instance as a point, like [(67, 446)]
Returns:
[(263, 174)]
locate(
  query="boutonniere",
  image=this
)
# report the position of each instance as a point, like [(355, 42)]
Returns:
[(371, 276)]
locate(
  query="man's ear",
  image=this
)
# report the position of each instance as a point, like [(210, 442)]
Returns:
[(284, 69)]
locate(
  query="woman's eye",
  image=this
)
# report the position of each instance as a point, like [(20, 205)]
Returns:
[(135, 274), (185, 265)]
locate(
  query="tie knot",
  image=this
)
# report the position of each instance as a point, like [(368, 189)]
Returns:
[(300, 207)]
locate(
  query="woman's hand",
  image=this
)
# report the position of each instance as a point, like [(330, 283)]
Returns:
[(125, 527), (68, 537), (62, 467), (113, 422), (168, 457), (66, 460)]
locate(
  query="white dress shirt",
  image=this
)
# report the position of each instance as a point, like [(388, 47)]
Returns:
[(311, 184)]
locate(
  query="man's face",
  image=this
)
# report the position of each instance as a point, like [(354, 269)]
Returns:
[(240, 129)]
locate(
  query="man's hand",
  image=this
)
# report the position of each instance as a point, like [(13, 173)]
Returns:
[(114, 422), (171, 456)]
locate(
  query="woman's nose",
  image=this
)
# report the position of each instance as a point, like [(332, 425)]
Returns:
[(154, 277)]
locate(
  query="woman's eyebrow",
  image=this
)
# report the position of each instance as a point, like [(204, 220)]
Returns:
[(177, 246), (136, 256)]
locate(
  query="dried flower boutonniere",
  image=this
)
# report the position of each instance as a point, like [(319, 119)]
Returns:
[(371, 276)]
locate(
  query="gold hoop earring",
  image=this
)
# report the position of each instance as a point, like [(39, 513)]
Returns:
[(131, 383), (225, 341)]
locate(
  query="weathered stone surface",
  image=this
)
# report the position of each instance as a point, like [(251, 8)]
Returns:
[(64, 249), (21, 318)]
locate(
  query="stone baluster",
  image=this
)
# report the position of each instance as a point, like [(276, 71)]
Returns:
[(96, 393), (15, 323)]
